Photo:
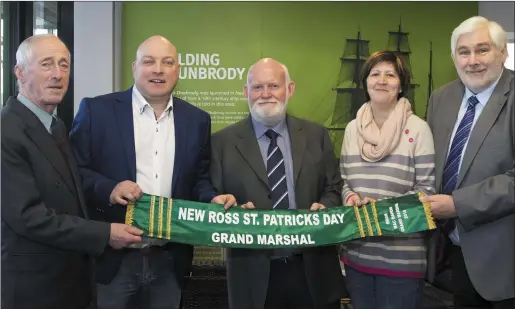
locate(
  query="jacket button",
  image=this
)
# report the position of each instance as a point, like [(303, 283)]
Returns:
[(269, 195), (58, 184)]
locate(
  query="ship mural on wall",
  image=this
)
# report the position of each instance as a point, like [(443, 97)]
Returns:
[(350, 94)]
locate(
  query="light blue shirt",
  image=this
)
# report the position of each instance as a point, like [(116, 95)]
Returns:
[(43, 116), (483, 98), (283, 141)]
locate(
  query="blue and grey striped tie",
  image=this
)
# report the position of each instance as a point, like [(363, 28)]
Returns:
[(276, 172), (452, 165)]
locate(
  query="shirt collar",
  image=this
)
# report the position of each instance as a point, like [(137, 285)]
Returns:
[(260, 129), (141, 103), (43, 116), (484, 95)]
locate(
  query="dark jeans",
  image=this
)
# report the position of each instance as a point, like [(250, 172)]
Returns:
[(145, 281), (382, 292), (465, 295)]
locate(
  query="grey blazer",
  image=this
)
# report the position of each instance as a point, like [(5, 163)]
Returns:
[(237, 168), (485, 197)]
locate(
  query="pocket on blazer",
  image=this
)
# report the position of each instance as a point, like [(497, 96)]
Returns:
[(30, 262)]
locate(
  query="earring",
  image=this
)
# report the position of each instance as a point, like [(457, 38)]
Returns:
[(400, 90)]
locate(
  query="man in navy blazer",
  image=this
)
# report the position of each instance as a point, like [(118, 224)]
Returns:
[(143, 140)]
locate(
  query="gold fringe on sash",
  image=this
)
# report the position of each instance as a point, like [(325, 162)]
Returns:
[(427, 209), (129, 215)]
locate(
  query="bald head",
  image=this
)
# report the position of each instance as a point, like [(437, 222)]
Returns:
[(156, 69), (268, 90), (269, 64), (155, 42)]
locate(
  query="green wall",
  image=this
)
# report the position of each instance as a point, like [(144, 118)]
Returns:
[(309, 38)]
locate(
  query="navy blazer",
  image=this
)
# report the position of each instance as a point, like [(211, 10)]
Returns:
[(102, 138)]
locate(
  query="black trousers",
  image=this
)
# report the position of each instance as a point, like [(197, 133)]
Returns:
[(465, 296), (287, 286)]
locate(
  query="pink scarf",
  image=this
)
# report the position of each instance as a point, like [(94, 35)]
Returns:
[(375, 143)]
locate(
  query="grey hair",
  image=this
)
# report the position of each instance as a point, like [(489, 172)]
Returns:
[(286, 72), (24, 52), (26, 48), (497, 33)]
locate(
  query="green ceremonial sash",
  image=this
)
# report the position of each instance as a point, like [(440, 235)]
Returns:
[(210, 225)]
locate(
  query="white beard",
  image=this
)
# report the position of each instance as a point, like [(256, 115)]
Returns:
[(269, 117)]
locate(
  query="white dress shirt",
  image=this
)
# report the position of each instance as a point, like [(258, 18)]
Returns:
[(154, 141)]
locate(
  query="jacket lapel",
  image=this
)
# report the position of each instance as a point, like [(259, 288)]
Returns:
[(485, 122), (124, 118), (298, 145), (75, 174), (44, 141), (248, 147), (453, 104), (181, 124)]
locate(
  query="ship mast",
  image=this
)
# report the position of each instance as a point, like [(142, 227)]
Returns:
[(398, 43), (430, 77), (349, 93)]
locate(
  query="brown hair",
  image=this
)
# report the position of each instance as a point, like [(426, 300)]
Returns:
[(399, 65)]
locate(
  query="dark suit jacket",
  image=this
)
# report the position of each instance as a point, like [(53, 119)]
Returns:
[(102, 138), (485, 197), (45, 238), (237, 168)]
